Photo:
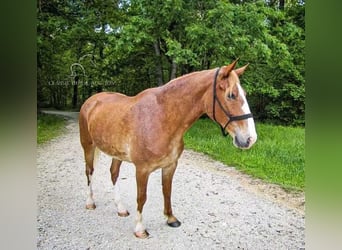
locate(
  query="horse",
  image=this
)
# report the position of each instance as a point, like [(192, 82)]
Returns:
[(147, 129)]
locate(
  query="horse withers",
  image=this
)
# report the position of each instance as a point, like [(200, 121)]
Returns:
[(148, 129)]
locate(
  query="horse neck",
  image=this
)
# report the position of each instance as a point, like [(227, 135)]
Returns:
[(186, 97)]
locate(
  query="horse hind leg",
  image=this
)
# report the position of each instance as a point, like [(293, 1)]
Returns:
[(91, 157), (114, 170)]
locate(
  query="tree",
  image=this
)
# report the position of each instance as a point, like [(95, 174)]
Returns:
[(128, 46)]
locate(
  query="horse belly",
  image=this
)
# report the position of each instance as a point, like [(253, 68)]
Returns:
[(111, 134), (113, 145)]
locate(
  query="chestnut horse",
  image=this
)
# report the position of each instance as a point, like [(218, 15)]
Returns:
[(147, 129)]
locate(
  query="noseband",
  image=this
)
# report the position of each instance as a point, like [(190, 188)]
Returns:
[(231, 118)]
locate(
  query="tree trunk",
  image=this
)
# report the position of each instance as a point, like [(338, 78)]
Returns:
[(75, 93), (159, 71), (173, 70)]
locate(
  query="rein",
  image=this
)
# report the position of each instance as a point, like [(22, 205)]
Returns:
[(231, 118)]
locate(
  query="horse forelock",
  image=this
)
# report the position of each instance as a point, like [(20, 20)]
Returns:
[(233, 81)]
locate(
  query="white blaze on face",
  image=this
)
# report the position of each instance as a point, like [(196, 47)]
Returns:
[(250, 121)]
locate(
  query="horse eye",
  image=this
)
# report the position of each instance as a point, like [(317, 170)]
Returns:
[(231, 96)]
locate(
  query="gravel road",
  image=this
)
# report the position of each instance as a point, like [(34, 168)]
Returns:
[(219, 207)]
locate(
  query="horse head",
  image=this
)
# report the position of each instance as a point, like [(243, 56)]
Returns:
[(230, 106)]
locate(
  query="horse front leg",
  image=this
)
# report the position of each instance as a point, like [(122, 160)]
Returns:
[(142, 180), (167, 176)]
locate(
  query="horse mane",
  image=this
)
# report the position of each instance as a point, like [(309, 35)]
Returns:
[(184, 79)]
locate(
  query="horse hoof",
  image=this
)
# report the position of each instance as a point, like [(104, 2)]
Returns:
[(91, 206), (123, 214), (141, 235), (174, 224)]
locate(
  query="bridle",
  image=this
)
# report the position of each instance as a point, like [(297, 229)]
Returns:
[(231, 118)]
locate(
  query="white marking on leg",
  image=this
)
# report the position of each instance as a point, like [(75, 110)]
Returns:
[(90, 200), (139, 227), (117, 200)]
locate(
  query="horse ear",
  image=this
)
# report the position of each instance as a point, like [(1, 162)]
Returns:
[(225, 73), (227, 69), (240, 71)]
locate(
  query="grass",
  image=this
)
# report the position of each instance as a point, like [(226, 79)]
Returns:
[(277, 156), (48, 127)]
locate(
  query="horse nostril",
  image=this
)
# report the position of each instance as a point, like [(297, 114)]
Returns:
[(249, 140)]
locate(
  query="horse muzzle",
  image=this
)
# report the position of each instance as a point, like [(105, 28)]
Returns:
[(244, 143)]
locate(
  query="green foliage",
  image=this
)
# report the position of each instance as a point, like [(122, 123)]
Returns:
[(277, 157), (48, 127), (128, 46)]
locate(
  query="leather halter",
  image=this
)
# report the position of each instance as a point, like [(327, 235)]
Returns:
[(231, 118)]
